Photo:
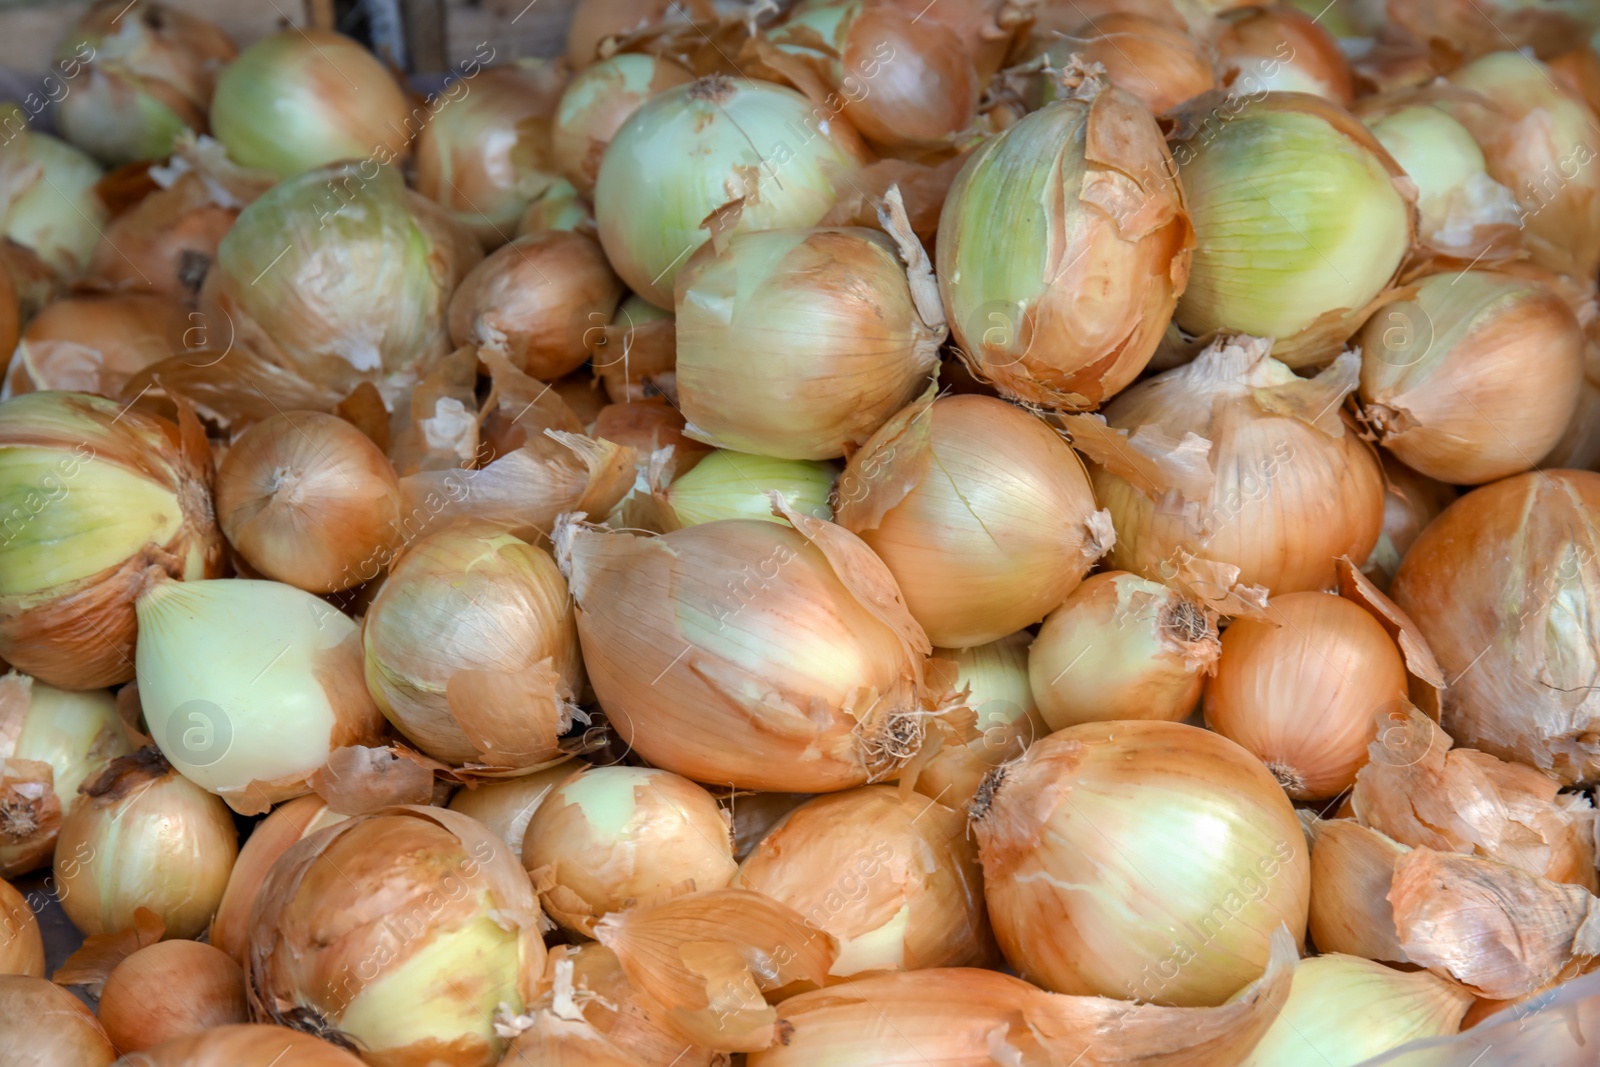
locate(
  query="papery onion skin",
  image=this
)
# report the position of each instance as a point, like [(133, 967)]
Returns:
[(1520, 674), (165, 243), (304, 98), (1153, 59), (676, 159), (1276, 48), (44, 1025), (995, 677), (249, 1045), (1410, 502), (1352, 870), (1187, 846), (1474, 378), (169, 990), (608, 836), (1065, 306), (593, 21), (505, 806), (1122, 647), (305, 498), (597, 102), (93, 343), (21, 945), (734, 485), (50, 204), (628, 1018), (1300, 688)]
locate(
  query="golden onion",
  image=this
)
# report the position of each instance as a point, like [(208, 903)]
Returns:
[(1352, 871), (42, 1024), (506, 805), (1150, 57), (169, 990), (634, 356), (1276, 48), (737, 485), (559, 207), (94, 343), (994, 680), (980, 510), (1410, 502), (246, 1045), (593, 21), (21, 946), (1140, 860), (597, 102), (47, 189)]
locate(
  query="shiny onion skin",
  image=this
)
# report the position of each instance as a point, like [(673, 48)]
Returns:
[(1140, 860), (21, 945), (597, 102), (93, 343), (506, 805), (245, 1045), (1301, 689), (166, 242), (44, 1025), (1276, 48), (168, 990), (1500, 586), (1151, 58)]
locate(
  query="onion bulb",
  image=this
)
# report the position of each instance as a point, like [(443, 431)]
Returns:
[(1301, 687), (609, 836), (471, 650), (980, 510), (305, 98), (43, 1025), (749, 653), (305, 498), (51, 742), (994, 678), (169, 990), (1152, 58), (47, 196), (692, 150), (149, 76), (505, 806), (98, 495), (597, 102), (894, 878), (1410, 502), (1122, 647), (1063, 306), (593, 21), (737, 485), (537, 297), (94, 343), (437, 930), (1270, 485), (246, 1045), (21, 946), (1521, 675), (1298, 220), (1279, 49), (144, 837), (1140, 860), (635, 355), (247, 686), (1474, 377), (559, 207)]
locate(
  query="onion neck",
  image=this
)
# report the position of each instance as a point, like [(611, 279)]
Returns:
[(1293, 782)]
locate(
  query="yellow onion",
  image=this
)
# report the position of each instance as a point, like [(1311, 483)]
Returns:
[(894, 878), (305, 98), (43, 1024), (148, 76), (21, 946), (1472, 27), (271, 838), (559, 207), (597, 102), (505, 806), (97, 496), (94, 343), (1298, 220), (1270, 485), (634, 355), (1410, 502), (737, 485), (437, 927), (1140, 860), (1122, 647), (1520, 675), (609, 836), (247, 686), (486, 153), (144, 837), (593, 21), (715, 143), (749, 653), (1279, 49), (537, 297), (980, 510), (47, 196), (1577, 69), (471, 650), (1316, 1025), (994, 679), (1150, 57), (1064, 305), (1474, 377), (169, 990), (1352, 871), (1300, 687), (51, 742), (305, 498), (245, 1045), (829, 326)]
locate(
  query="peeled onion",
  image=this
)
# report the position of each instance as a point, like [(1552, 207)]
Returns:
[(597, 102), (169, 990), (737, 485), (1276, 48), (252, 1045), (47, 196), (21, 946), (44, 1025), (994, 677), (506, 805)]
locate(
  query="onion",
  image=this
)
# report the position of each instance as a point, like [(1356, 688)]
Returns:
[(737, 485), (1473, 378), (691, 150), (981, 512), (1142, 860), (169, 990), (750, 653), (486, 154), (1352, 871), (506, 806), (1410, 502), (1065, 305), (305, 498), (305, 98), (559, 207), (597, 102), (593, 21), (609, 836), (51, 742), (1279, 49), (438, 929), (43, 1025), (846, 337), (894, 878), (995, 679), (1520, 674), (1473, 27), (101, 494), (471, 650), (47, 196), (21, 946), (95, 343), (1298, 220), (247, 1046), (248, 686), (148, 77), (1122, 647), (1148, 57), (538, 297), (144, 837)]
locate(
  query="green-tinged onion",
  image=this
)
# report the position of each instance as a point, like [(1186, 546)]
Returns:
[(505, 806), (597, 102), (47, 195), (994, 679), (735, 485)]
